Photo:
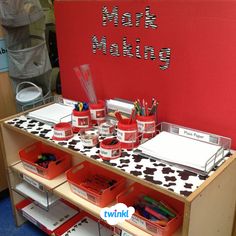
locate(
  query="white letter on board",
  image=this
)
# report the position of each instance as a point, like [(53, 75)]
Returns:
[(164, 55), (99, 45), (137, 49), (114, 50), (152, 52), (107, 16), (138, 18), (127, 48), (126, 19), (149, 19)]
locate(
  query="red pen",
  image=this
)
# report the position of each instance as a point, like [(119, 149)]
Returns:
[(118, 116), (156, 214), (132, 116)]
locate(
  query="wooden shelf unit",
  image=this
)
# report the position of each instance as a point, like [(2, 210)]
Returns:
[(209, 210)]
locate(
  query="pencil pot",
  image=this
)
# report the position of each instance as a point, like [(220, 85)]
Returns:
[(146, 126), (98, 112), (62, 131), (127, 134), (110, 148), (94, 183), (154, 212), (81, 120), (31, 159)]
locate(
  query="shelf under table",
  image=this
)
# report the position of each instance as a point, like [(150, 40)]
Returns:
[(49, 184), (64, 192)]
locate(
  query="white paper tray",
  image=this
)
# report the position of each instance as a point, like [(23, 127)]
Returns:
[(191, 149)]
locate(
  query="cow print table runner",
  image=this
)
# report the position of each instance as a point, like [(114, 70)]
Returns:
[(168, 176)]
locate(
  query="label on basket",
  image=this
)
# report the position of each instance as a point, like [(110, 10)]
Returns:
[(110, 153), (138, 221), (97, 114), (81, 121), (129, 136), (31, 181), (153, 228), (146, 126), (30, 167), (79, 191)]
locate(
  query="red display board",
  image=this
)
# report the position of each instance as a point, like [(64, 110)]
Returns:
[(181, 52)]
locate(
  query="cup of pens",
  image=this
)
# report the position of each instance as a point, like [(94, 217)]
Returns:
[(81, 118), (146, 119)]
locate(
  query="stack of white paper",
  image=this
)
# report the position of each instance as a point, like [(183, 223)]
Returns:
[(37, 195), (180, 150), (121, 106), (87, 227), (52, 219), (53, 113)]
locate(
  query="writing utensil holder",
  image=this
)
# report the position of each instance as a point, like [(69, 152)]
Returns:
[(62, 131), (127, 134), (81, 120), (110, 148), (146, 126), (98, 112)]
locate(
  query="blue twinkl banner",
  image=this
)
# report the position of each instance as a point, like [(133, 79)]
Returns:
[(3, 56)]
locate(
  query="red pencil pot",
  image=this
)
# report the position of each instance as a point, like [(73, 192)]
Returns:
[(127, 134), (98, 112), (62, 131), (81, 120), (146, 126), (109, 149)]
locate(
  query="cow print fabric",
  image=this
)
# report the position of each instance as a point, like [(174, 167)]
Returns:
[(168, 176)]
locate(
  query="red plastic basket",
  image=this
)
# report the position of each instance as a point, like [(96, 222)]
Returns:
[(29, 156), (130, 196), (79, 173)]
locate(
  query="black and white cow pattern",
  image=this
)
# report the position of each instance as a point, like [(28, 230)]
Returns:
[(168, 176)]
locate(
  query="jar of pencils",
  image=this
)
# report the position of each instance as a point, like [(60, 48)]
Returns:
[(127, 133), (81, 120), (98, 112), (146, 126)]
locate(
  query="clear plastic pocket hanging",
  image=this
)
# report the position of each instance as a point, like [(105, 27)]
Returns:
[(15, 13), (29, 58)]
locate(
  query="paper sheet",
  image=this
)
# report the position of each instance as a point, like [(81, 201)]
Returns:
[(178, 149), (52, 219), (87, 227), (53, 113), (36, 194)]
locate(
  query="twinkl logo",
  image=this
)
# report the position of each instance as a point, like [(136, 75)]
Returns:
[(117, 213)]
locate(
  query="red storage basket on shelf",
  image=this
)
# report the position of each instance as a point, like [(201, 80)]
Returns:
[(130, 196), (78, 174), (29, 156)]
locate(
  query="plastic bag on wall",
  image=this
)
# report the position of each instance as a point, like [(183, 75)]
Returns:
[(17, 35), (29, 58), (14, 13)]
